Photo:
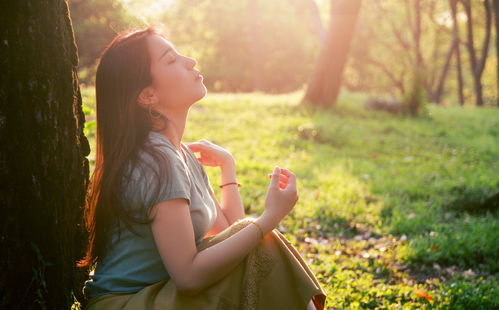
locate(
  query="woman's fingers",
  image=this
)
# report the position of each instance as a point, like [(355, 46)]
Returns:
[(286, 172), (290, 179), (292, 182), (283, 182), (195, 146), (274, 181), (281, 177)]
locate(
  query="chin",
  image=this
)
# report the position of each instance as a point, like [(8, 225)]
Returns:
[(200, 95), (202, 92)]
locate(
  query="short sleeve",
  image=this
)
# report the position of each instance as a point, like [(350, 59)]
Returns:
[(160, 178)]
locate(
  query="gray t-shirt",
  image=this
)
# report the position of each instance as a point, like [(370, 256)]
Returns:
[(133, 262)]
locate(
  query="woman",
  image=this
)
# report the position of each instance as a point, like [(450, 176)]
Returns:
[(158, 238)]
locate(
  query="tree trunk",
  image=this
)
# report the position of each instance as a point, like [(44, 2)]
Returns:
[(496, 17), (437, 94), (43, 165), (455, 34), (477, 65), (325, 82), (417, 33)]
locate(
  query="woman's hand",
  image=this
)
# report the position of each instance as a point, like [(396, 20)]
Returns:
[(283, 178), (282, 194), (211, 154)]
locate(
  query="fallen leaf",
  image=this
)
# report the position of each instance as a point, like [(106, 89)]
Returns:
[(423, 294)]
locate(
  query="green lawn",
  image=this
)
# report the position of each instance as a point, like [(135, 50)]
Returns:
[(392, 211)]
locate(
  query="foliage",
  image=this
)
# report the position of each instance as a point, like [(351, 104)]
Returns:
[(382, 59), (478, 294), (366, 273), (95, 23), (242, 44), (465, 242), (272, 46), (415, 98)]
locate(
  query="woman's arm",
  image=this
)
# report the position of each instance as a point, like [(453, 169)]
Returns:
[(222, 221), (190, 270), (231, 204), (215, 156)]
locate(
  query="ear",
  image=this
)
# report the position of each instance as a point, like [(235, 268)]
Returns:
[(147, 97)]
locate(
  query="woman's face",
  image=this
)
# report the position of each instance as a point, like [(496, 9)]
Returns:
[(175, 81)]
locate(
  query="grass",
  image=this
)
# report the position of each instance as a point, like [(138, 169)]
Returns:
[(393, 210)]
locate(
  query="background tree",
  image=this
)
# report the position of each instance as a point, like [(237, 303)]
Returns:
[(43, 169), (96, 23), (273, 46), (325, 82), (435, 83), (496, 18), (411, 34), (456, 40), (394, 37), (477, 63), (220, 35)]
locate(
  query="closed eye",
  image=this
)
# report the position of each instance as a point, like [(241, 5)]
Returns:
[(171, 58)]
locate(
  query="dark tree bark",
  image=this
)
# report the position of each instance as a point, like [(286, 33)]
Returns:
[(325, 82), (496, 17), (455, 34), (477, 64), (43, 165)]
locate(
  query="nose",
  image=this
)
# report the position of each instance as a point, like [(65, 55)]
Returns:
[(191, 61)]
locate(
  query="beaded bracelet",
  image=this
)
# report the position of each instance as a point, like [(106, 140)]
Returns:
[(238, 185)]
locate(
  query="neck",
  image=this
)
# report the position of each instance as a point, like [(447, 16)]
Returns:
[(174, 130)]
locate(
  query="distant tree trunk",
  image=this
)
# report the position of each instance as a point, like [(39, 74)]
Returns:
[(325, 82), (496, 17), (455, 34), (417, 34), (437, 94), (477, 64), (419, 65), (43, 168), (438, 74)]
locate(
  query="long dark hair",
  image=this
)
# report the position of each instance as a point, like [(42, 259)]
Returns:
[(122, 129)]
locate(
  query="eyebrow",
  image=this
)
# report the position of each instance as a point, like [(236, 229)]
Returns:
[(165, 52)]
